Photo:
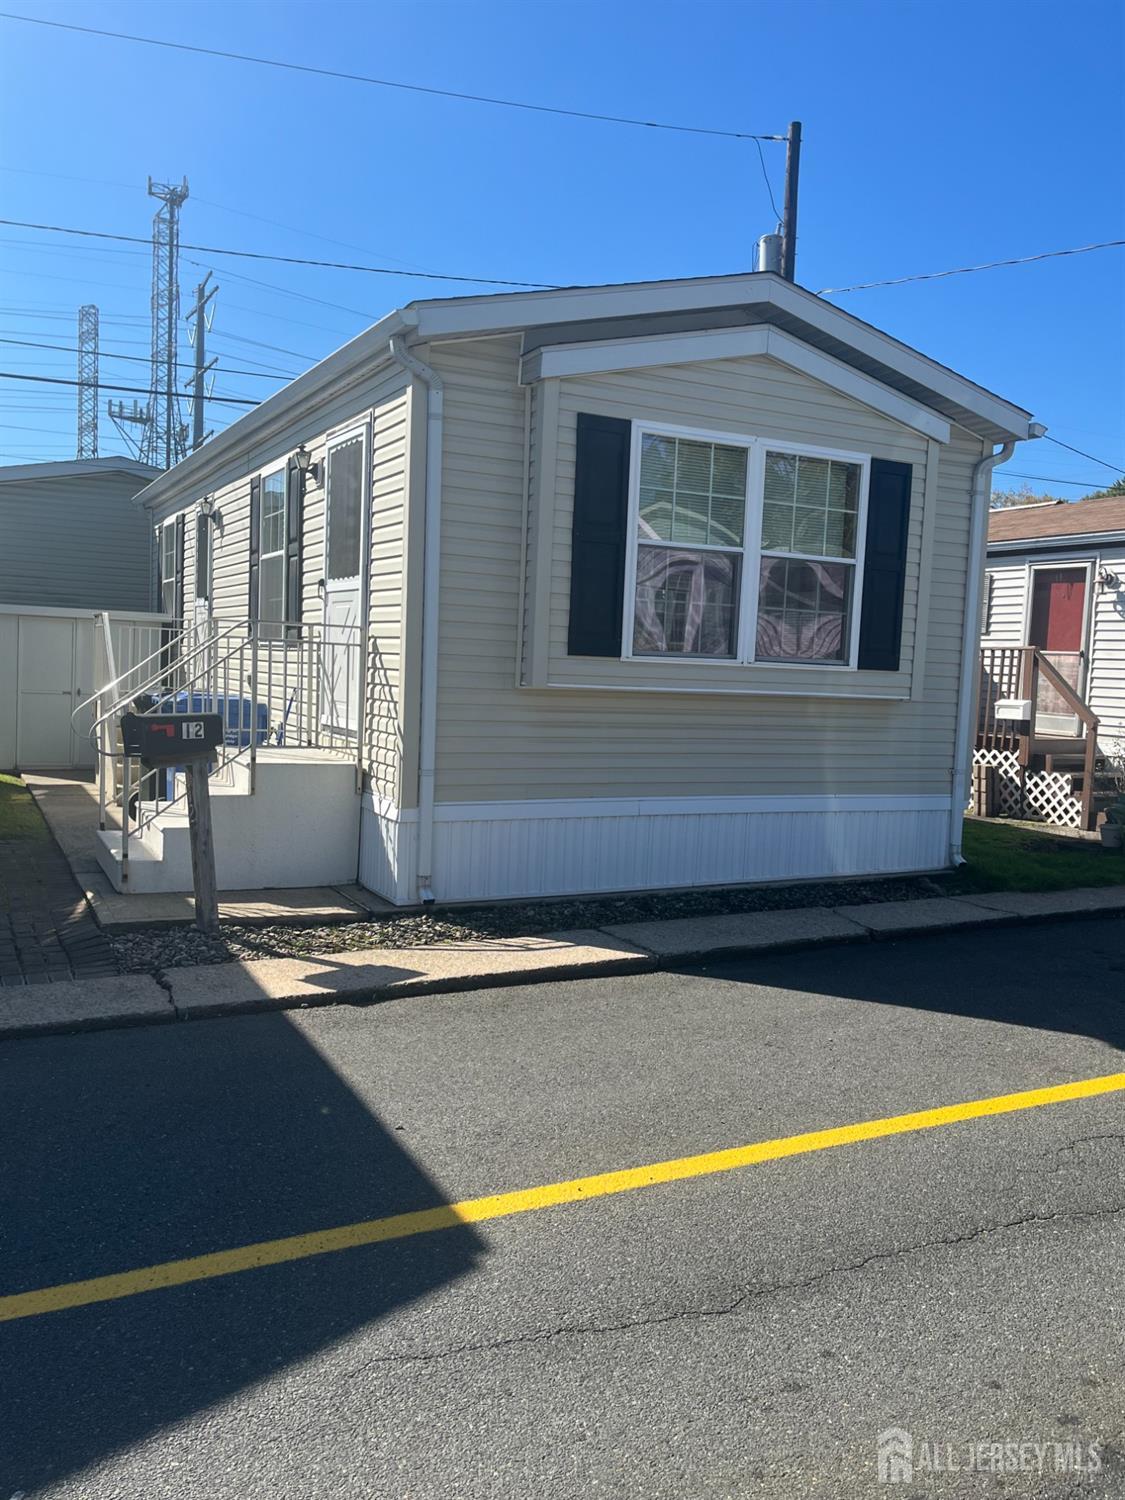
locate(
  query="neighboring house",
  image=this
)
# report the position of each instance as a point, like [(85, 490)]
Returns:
[(661, 584), (1054, 595), (73, 535)]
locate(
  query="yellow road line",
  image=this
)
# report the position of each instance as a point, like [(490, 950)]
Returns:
[(527, 1200)]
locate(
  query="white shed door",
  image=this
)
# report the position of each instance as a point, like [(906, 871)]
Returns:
[(47, 687), (344, 531)]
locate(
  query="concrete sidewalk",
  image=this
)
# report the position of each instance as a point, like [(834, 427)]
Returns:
[(384, 973)]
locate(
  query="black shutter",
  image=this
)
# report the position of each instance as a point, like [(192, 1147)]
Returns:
[(255, 544), (180, 566), (597, 549), (294, 509), (884, 565), (158, 533)]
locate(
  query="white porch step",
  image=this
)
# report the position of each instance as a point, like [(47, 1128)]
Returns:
[(300, 828)]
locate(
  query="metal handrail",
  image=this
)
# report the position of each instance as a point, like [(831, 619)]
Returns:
[(156, 681)]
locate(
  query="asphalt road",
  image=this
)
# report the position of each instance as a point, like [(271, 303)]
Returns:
[(739, 1335)]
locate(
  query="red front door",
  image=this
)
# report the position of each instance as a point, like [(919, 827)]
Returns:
[(1058, 617)]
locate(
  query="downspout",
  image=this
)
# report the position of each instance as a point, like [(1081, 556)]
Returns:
[(431, 579), (979, 491)]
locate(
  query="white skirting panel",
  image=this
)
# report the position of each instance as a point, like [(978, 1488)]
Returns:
[(387, 848), (496, 850)]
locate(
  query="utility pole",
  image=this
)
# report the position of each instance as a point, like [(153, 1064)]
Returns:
[(198, 336), (87, 382), (789, 211)]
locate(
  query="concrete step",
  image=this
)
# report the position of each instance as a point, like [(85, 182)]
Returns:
[(300, 828)]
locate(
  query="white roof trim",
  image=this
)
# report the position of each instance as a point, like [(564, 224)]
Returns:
[(560, 360), (512, 312)]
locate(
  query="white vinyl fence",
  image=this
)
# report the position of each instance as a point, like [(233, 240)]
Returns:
[(51, 660)]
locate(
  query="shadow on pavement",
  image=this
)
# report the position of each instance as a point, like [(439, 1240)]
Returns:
[(1067, 977), (125, 1149)]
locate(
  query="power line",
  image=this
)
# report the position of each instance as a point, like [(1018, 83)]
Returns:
[(133, 390), (287, 260), (1117, 469), (766, 177), (1079, 484), (389, 83), (140, 359), (990, 265)]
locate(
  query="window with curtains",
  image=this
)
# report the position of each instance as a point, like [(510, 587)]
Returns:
[(744, 550), (271, 557)]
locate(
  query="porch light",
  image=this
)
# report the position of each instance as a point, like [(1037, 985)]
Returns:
[(1107, 580), (310, 472), (207, 509)]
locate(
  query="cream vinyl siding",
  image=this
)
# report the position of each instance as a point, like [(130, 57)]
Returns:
[(382, 398), (497, 742)]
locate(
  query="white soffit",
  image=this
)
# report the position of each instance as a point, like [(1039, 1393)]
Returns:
[(560, 360)]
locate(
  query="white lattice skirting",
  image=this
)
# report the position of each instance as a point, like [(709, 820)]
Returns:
[(1045, 795)]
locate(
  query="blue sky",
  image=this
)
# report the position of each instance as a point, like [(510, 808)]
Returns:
[(935, 136)]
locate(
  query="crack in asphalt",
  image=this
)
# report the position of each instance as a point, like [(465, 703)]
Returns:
[(579, 1330)]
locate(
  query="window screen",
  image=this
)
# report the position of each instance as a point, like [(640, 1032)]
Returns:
[(345, 509)]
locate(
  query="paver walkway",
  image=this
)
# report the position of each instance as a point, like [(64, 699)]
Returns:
[(46, 929)]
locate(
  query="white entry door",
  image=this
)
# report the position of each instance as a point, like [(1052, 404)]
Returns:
[(345, 531)]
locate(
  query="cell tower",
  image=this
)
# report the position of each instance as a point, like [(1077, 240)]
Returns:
[(163, 439), (88, 381)]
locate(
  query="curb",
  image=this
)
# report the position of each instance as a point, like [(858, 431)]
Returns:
[(211, 991)]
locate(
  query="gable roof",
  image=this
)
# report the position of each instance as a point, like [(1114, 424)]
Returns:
[(568, 315), (73, 468), (1062, 519)]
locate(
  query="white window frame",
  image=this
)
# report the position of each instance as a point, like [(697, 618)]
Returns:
[(168, 527), (267, 475), (747, 602)]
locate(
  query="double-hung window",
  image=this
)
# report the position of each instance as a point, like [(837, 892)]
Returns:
[(810, 521), (169, 569), (271, 557), (743, 550)]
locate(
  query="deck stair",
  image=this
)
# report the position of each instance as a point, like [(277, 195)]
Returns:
[(1060, 777), (284, 785)]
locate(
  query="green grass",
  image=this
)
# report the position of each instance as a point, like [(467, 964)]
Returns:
[(19, 816), (1012, 857)]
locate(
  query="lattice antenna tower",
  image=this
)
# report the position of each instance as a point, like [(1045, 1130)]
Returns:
[(87, 381), (165, 438)]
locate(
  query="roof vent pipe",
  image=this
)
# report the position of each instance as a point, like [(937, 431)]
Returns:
[(769, 253)]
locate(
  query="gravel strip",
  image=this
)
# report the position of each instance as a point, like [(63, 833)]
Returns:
[(150, 950)]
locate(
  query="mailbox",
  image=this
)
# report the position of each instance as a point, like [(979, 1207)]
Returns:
[(1012, 710), (171, 739)]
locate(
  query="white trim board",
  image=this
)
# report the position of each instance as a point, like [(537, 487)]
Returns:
[(561, 360)]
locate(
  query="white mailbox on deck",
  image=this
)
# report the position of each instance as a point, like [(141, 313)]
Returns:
[(1012, 710)]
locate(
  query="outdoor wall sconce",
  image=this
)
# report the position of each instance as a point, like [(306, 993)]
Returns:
[(207, 510), (1107, 580), (310, 472)]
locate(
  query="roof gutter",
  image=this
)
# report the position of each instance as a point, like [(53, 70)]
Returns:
[(979, 494), (431, 580)]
